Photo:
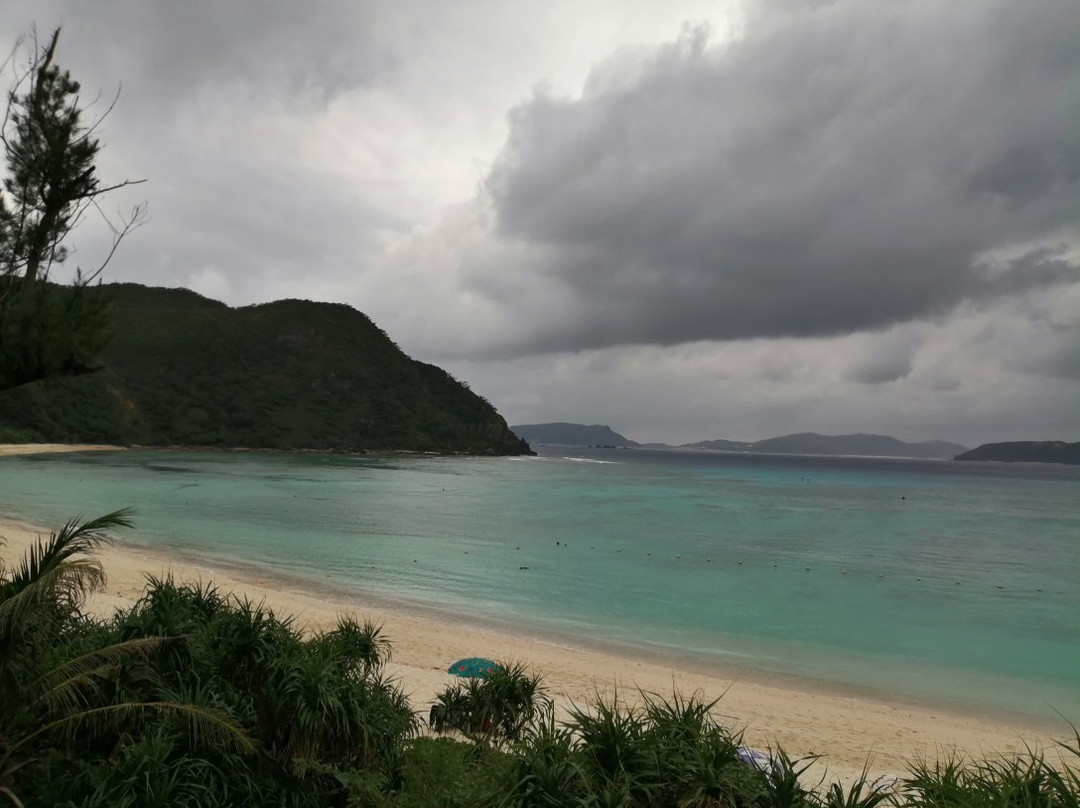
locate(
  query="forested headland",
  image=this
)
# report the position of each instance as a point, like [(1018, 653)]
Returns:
[(183, 370)]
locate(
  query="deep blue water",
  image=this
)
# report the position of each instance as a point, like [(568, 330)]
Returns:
[(931, 579)]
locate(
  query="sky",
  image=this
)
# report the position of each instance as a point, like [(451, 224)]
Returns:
[(687, 220)]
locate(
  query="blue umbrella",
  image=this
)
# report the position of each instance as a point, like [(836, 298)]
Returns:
[(474, 668)]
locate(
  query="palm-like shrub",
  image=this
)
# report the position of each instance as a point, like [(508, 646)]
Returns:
[(311, 702), (362, 645), (191, 697), (318, 706), (664, 752), (47, 588), (450, 774), (697, 759), (547, 771), (615, 749), (497, 709), (1022, 781), (58, 669)]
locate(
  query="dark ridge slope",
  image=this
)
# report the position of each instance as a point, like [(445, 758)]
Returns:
[(1045, 451), (183, 370), (564, 434)]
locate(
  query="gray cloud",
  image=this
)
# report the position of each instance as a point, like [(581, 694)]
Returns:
[(841, 167), (979, 376), (163, 52), (847, 219), (882, 369), (232, 112)]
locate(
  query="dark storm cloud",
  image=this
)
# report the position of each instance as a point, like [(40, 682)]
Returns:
[(841, 167), (167, 51)]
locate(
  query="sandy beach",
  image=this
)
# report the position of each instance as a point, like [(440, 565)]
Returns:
[(47, 448), (848, 730)]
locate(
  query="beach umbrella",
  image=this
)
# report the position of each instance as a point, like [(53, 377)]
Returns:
[(474, 668)]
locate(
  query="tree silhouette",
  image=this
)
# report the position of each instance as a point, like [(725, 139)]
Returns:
[(51, 183)]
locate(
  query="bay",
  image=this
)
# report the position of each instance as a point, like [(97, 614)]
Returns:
[(923, 579)]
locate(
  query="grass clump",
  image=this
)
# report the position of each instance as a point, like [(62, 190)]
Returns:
[(665, 752), (1025, 781)]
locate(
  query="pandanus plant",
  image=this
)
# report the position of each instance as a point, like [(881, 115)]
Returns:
[(497, 709), (45, 696)]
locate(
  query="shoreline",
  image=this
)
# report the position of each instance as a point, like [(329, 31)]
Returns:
[(8, 449), (846, 726), (851, 728), (332, 591), (12, 449)]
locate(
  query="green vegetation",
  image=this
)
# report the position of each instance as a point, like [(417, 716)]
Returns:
[(182, 370), (497, 709), (49, 185), (197, 698), (191, 697), (129, 365)]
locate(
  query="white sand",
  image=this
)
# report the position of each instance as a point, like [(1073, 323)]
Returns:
[(847, 729), (47, 448)]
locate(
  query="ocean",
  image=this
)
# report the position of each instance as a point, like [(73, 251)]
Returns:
[(931, 580)]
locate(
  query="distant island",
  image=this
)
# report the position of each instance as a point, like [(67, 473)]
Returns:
[(563, 434), (1046, 451), (184, 370), (806, 443), (859, 444)]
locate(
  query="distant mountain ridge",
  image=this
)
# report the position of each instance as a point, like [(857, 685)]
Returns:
[(184, 370), (564, 434), (720, 445), (1046, 451), (567, 434), (857, 444)]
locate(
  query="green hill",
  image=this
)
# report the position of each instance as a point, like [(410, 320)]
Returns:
[(1046, 451), (183, 370)]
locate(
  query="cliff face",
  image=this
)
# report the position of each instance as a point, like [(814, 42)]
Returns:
[(183, 370), (1046, 451)]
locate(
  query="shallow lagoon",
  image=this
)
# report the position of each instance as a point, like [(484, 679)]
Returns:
[(928, 579)]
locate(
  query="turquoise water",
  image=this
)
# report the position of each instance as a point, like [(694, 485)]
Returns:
[(928, 579)]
